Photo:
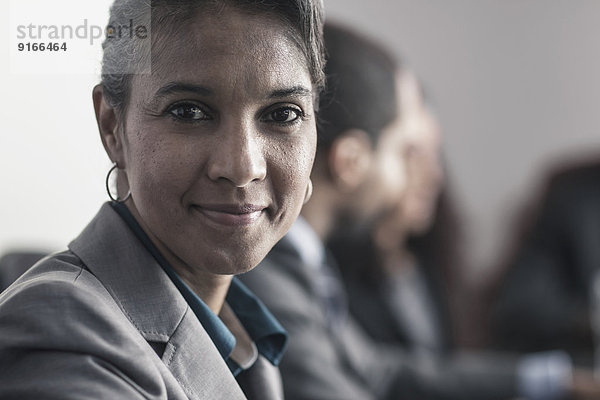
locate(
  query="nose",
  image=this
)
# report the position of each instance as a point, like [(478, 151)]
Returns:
[(239, 157)]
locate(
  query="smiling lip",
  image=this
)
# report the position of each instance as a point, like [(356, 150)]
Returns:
[(231, 214)]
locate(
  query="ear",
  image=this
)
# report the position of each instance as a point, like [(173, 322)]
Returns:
[(350, 158), (108, 125)]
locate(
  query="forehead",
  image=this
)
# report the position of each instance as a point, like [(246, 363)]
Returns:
[(227, 49), (408, 90), (396, 131)]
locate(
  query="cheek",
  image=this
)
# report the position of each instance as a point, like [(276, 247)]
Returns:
[(159, 168), (290, 167), (393, 174)]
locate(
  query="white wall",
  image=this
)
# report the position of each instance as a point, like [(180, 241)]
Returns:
[(53, 164), (515, 83)]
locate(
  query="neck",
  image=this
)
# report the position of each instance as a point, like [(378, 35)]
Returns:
[(390, 236), (397, 261), (211, 288)]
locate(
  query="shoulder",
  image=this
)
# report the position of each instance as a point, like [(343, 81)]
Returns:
[(573, 179), (280, 271), (283, 283), (569, 192), (58, 296), (59, 324), (273, 280), (57, 279)]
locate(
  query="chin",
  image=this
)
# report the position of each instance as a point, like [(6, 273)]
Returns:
[(421, 225), (228, 263), (235, 269)]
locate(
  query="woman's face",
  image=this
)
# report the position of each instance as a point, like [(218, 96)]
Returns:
[(220, 140), (424, 170), (413, 210), (387, 182)]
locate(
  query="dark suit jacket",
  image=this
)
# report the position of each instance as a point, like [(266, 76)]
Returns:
[(369, 300), (345, 364), (543, 302), (103, 321)]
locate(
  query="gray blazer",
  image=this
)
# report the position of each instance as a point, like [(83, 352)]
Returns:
[(103, 321)]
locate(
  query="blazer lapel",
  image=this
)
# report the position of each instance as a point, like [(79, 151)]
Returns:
[(154, 306)]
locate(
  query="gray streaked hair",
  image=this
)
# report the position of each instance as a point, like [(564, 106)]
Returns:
[(125, 57)]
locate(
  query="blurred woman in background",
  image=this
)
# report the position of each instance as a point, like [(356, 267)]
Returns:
[(402, 264)]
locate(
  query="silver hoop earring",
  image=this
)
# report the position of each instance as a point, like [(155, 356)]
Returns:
[(108, 187)]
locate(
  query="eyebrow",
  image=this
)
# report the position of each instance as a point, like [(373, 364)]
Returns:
[(179, 87), (299, 91)]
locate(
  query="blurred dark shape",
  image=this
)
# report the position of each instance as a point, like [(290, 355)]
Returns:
[(14, 264), (541, 302), (436, 258)]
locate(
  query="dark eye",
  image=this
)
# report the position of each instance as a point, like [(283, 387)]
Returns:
[(284, 115), (188, 112)]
